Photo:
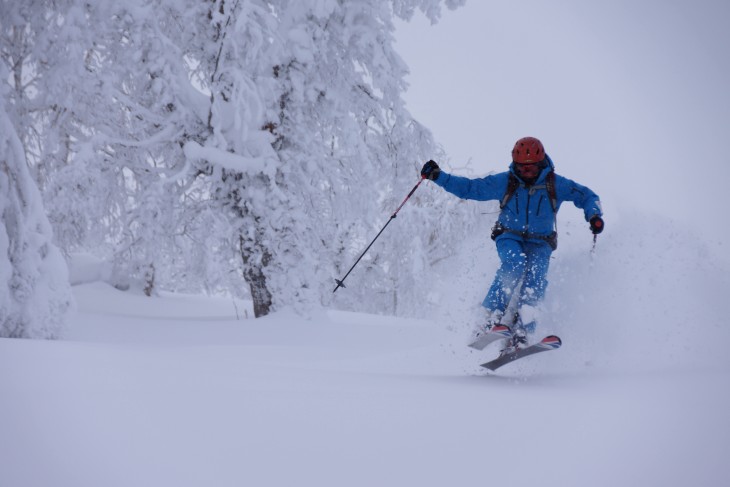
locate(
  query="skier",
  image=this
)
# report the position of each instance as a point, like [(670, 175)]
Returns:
[(530, 195)]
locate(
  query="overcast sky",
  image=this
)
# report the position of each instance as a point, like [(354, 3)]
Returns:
[(631, 98)]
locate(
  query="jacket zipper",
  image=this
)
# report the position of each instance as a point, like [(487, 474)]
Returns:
[(539, 204)]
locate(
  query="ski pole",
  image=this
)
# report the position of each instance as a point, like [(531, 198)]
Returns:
[(341, 282), (593, 250)]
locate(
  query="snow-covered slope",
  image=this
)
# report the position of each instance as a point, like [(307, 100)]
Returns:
[(184, 391)]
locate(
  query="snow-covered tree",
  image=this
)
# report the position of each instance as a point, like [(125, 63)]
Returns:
[(201, 145), (34, 290), (308, 96)]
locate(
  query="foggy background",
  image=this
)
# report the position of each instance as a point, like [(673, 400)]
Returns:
[(629, 98)]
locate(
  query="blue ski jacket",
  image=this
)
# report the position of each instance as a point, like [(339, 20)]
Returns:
[(529, 212)]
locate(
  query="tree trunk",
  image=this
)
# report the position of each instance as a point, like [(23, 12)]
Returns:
[(253, 273), (149, 278)]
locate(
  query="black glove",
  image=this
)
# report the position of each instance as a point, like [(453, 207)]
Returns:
[(431, 170), (596, 224)]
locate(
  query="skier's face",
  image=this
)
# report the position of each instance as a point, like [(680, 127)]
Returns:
[(529, 172)]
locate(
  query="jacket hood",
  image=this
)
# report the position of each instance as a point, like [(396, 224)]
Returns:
[(543, 174)]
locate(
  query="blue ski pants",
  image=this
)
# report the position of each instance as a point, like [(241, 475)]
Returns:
[(528, 260)]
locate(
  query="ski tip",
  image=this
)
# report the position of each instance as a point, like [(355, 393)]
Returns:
[(501, 329), (552, 341), (496, 332)]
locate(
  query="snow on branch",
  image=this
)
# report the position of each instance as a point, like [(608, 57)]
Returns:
[(228, 160)]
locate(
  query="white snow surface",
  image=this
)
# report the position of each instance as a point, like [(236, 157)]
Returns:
[(180, 390)]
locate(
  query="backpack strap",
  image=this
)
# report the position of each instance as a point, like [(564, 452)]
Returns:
[(552, 194), (512, 184)]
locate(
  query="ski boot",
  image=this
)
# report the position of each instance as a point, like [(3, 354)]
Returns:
[(492, 319), (514, 343)]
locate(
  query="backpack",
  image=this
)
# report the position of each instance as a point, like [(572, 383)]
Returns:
[(513, 183)]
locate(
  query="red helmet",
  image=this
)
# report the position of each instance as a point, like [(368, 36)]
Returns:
[(528, 150)]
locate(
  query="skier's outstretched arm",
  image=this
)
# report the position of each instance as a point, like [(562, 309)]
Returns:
[(481, 189)]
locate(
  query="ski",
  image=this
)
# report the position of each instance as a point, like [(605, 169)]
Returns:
[(495, 333), (551, 342)]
